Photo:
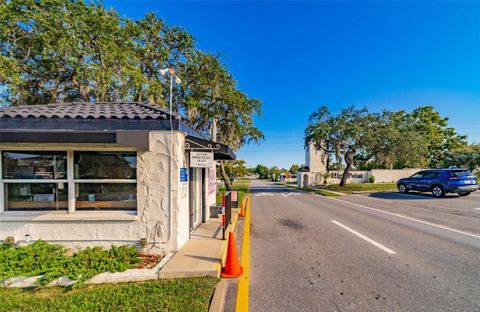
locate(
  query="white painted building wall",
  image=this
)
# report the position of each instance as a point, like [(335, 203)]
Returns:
[(353, 177), (386, 175), (164, 232)]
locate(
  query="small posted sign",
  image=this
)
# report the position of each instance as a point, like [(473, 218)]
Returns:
[(201, 159), (183, 174), (234, 199)]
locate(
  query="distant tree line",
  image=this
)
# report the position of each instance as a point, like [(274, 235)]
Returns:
[(264, 172), (357, 138), (74, 50)]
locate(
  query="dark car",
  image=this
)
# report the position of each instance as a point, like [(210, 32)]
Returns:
[(440, 182)]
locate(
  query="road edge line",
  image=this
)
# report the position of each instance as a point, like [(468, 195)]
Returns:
[(242, 301)]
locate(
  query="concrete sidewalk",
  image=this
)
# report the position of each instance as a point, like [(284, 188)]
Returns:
[(204, 254)]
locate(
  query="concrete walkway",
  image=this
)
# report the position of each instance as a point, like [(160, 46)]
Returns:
[(204, 254)]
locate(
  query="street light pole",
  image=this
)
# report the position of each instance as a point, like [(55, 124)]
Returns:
[(172, 73)]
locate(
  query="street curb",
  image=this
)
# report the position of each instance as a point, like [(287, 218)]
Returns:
[(334, 192), (372, 192), (217, 303), (218, 299)]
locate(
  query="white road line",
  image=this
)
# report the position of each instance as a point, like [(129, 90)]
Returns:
[(371, 241), (476, 208), (370, 197), (443, 227), (263, 194)]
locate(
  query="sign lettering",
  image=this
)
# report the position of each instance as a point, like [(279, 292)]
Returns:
[(201, 159)]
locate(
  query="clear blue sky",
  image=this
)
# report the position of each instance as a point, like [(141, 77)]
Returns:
[(297, 56)]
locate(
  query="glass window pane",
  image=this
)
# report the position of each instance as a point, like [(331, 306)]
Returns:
[(105, 165), (461, 173), (106, 196), (34, 165), (36, 196)]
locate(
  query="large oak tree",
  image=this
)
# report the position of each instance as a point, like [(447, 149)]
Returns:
[(72, 50)]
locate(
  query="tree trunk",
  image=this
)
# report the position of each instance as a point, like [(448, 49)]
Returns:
[(226, 179), (349, 162)]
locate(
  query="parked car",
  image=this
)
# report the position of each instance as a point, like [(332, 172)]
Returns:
[(440, 182)]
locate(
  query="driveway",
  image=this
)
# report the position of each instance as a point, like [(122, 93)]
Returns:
[(362, 253)]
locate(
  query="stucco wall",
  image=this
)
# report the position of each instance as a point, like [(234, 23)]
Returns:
[(152, 221), (353, 177), (381, 176), (385, 175), (308, 178), (315, 159)]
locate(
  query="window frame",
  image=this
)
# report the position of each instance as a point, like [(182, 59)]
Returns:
[(70, 181)]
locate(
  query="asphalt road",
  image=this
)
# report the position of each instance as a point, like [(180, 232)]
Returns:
[(356, 253)]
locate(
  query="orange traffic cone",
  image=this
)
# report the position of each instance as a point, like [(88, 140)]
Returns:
[(242, 208), (232, 267)]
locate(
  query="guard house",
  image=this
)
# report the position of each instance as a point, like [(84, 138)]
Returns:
[(85, 174)]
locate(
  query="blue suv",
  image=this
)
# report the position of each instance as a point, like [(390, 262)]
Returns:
[(440, 182)]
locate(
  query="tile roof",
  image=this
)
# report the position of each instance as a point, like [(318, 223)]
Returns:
[(83, 110)]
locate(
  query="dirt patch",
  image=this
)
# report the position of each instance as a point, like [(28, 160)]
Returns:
[(148, 261), (294, 224)]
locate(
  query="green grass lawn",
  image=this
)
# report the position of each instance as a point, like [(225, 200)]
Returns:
[(191, 294), (363, 187), (241, 185)]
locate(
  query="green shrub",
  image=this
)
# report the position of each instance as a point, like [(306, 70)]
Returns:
[(41, 258), (92, 261), (371, 179), (30, 260)]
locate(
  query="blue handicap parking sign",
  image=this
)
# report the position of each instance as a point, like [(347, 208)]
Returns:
[(183, 174)]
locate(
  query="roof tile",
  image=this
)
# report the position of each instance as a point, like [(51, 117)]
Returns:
[(83, 110)]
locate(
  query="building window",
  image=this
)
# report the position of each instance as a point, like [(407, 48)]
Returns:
[(106, 196), (34, 180), (105, 165), (105, 180), (34, 165), (36, 196), (57, 180)]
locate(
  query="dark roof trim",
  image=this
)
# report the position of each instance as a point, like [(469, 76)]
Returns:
[(72, 125), (138, 139), (85, 124), (57, 137)]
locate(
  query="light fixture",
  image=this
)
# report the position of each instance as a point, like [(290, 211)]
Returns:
[(164, 71), (172, 72)]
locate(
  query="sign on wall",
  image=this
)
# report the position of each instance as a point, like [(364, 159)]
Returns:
[(201, 159), (183, 174)]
